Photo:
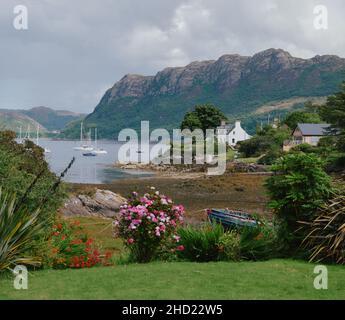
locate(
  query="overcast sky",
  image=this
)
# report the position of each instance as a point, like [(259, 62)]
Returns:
[(74, 50)]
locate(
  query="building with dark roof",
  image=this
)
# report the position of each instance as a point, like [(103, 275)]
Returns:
[(309, 133)]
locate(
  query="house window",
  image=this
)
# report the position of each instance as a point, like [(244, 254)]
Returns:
[(234, 132), (233, 141)]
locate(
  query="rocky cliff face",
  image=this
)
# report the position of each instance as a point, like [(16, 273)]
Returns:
[(237, 84), (225, 73)]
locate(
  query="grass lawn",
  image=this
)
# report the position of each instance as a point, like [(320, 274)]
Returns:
[(276, 279)]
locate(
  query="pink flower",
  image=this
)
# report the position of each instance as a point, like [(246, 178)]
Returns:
[(180, 248), (130, 241), (164, 201), (177, 238)]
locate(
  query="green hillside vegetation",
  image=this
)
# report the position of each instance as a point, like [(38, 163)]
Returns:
[(13, 120), (48, 119), (52, 119)]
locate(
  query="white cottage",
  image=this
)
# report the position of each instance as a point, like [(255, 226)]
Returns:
[(232, 133)]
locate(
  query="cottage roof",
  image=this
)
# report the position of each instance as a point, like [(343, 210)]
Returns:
[(314, 129), (228, 127)]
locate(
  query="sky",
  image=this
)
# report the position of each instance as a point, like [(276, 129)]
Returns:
[(74, 50)]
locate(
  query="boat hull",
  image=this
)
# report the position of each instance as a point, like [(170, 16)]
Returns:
[(232, 219)]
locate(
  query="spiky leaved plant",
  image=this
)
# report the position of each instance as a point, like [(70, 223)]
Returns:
[(18, 228), (326, 238)]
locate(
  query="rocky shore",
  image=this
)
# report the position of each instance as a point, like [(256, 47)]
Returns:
[(102, 203)]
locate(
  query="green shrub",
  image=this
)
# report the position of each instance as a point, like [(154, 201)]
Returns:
[(297, 189), (304, 147), (210, 242), (201, 244), (23, 167), (261, 243), (267, 140), (270, 157), (229, 246)]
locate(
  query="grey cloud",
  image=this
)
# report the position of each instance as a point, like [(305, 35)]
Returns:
[(74, 50)]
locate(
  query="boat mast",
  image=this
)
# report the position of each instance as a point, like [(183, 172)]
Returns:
[(96, 137), (29, 132), (81, 133), (37, 133)]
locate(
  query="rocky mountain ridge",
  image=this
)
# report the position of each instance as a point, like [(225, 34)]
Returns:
[(237, 84)]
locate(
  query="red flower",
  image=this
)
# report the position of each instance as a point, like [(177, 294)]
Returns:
[(77, 241), (180, 248), (108, 254), (89, 241)]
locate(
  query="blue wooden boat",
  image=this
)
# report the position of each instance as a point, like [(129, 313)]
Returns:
[(89, 154), (232, 219)]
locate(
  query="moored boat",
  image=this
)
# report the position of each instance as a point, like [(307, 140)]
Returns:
[(231, 219), (89, 154)]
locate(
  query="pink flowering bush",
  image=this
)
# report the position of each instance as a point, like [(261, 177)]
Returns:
[(148, 225)]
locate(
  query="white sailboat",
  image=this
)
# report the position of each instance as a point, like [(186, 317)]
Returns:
[(83, 147), (20, 140), (98, 150), (46, 150), (27, 134)]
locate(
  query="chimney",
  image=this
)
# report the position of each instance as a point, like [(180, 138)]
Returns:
[(238, 124), (223, 123)]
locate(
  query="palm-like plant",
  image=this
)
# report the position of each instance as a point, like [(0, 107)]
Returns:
[(326, 238), (18, 228)]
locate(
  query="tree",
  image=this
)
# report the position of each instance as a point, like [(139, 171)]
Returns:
[(333, 112), (203, 117), (296, 117), (268, 140), (297, 189), (191, 121)]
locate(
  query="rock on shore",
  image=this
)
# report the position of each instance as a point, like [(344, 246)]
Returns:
[(102, 203)]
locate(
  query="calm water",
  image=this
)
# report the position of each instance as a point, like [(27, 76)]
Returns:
[(91, 170)]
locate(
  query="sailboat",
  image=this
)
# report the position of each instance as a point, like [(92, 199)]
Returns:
[(83, 147), (46, 150), (27, 134), (98, 150), (20, 140)]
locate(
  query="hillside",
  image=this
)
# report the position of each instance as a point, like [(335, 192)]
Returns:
[(52, 119), (13, 120), (239, 85), (47, 118)]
